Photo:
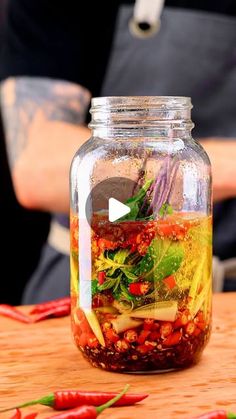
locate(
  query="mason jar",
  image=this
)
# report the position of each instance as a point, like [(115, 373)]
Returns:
[(141, 237)]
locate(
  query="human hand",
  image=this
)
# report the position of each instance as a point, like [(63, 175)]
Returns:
[(222, 154)]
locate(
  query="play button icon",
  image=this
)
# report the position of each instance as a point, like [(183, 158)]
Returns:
[(116, 209), (108, 212)]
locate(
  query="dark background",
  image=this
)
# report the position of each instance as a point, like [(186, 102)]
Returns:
[(22, 232)]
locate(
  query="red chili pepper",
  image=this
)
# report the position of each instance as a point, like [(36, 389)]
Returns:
[(172, 339), (165, 329), (30, 416), (170, 282), (148, 324), (60, 311), (131, 336), (48, 305), (182, 320), (104, 244), (67, 399), (88, 412), (143, 336), (217, 414), (16, 414), (111, 335), (101, 277), (190, 328), (13, 313), (139, 288)]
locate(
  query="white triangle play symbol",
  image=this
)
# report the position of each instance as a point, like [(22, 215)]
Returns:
[(116, 209)]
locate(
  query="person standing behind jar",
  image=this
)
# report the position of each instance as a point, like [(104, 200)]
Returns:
[(53, 65)]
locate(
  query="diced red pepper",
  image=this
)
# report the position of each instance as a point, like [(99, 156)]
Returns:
[(143, 336), (182, 320), (155, 326), (155, 336), (144, 239), (122, 346), (111, 335), (97, 301), (165, 329), (197, 331), (139, 288), (101, 277), (92, 340), (83, 340), (170, 282), (199, 321), (81, 321), (190, 328), (148, 324), (106, 326), (146, 347), (130, 336), (172, 339), (169, 228), (104, 244), (201, 325)]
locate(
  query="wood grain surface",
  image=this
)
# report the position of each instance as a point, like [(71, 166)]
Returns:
[(37, 359)]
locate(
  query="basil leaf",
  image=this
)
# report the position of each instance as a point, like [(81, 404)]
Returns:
[(162, 259)]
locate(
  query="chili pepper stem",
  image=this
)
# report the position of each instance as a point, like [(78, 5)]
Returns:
[(46, 401), (104, 406), (231, 415)]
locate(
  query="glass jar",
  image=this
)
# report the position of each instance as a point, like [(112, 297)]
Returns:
[(141, 279)]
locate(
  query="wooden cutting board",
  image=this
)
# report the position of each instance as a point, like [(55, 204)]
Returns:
[(38, 359)]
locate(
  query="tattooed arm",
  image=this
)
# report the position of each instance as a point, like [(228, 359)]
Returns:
[(222, 154), (43, 121)]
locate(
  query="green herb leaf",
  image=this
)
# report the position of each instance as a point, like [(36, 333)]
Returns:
[(94, 286), (109, 283), (165, 209), (162, 259), (121, 256), (112, 261), (136, 201), (125, 293), (131, 276)]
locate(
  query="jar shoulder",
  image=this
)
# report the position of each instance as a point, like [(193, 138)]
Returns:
[(96, 149)]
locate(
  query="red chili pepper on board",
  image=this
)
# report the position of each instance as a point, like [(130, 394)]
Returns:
[(67, 399), (88, 412), (216, 414), (60, 311), (13, 313), (48, 305), (16, 414)]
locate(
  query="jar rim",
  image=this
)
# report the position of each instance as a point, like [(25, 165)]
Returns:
[(171, 102)]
